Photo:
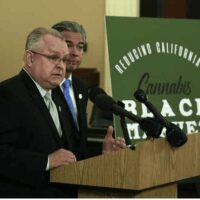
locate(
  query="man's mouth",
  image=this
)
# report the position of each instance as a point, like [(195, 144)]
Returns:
[(57, 74)]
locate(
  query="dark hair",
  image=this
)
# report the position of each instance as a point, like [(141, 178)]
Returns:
[(72, 27)]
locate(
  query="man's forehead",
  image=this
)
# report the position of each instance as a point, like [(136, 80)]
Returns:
[(51, 39), (54, 45)]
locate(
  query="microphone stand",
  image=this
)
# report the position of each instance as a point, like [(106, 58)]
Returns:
[(175, 136), (124, 129)]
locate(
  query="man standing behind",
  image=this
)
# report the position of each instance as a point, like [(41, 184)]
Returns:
[(76, 39)]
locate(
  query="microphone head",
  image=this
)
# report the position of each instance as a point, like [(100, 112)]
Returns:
[(140, 95), (94, 91), (175, 136), (152, 127), (104, 102), (101, 99)]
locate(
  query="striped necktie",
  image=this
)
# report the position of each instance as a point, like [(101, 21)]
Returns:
[(53, 111)]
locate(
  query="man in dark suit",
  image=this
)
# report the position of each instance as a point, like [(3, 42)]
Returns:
[(76, 39), (36, 134), (29, 141)]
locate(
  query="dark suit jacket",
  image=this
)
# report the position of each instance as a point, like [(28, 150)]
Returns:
[(27, 136), (77, 137)]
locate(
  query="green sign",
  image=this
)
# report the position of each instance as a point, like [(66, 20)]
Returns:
[(161, 57)]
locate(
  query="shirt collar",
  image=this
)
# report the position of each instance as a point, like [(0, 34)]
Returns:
[(69, 78), (39, 87)]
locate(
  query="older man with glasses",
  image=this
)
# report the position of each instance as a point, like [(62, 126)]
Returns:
[(32, 136), (35, 131)]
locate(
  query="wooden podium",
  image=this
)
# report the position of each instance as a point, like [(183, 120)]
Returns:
[(151, 170)]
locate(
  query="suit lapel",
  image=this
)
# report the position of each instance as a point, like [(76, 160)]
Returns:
[(81, 96), (39, 102), (65, 117), (78, 93)]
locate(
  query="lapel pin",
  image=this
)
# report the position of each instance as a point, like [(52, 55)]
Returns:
[(80, 96)]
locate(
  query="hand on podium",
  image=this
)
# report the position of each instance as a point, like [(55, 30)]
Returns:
[(61, 157), (111, 144)]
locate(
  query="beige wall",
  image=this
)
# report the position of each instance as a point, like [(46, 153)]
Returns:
[(19, 17)]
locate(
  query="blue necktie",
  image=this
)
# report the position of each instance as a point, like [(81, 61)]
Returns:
[(66, 86)]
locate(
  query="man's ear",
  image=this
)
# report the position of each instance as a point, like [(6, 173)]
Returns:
[(28, 58)]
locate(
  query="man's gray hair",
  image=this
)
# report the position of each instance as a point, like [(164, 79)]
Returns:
[(71, 27), (36, 34)]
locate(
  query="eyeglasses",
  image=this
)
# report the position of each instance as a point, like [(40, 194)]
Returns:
[(52, 58)]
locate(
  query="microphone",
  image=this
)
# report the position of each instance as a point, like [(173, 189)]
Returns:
[(99, 97), (175, 136), (150, 126), (142, 98)]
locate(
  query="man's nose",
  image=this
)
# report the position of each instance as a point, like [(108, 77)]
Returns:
[(61, 63), (74, 50)]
